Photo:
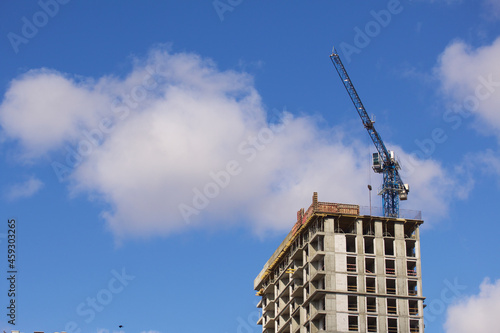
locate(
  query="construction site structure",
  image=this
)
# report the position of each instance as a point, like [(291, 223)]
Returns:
[(384, 160), (339, 271)]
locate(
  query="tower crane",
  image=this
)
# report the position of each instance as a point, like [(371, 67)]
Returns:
[(384, 161)]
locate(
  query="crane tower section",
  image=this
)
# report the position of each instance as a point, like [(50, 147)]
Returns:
[(384, 161)]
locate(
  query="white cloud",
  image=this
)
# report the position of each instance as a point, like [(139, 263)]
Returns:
[(25, 189), (43, 108), (471, 79), (490, 161), (477, 313), (432, 187), (487, 162), (177, 123)]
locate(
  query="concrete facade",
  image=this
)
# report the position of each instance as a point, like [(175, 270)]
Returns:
[(337, 271)]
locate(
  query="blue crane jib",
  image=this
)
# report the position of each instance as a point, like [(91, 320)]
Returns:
[(384, 161)]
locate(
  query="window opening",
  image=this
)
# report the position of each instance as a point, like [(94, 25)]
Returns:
[(413, 307), (389, 246), (412, 288), (371, 304), (391, 306), (350, 243), (369, 248), (370, 265), (370, 285), (392, 325), (351, 264), (352, 303), (353, 323), (391, 286), (390, 268), (371, 323), (411, 268), (352, 283)]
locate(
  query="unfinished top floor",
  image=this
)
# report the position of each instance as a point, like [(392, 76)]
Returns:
[(361, 234)]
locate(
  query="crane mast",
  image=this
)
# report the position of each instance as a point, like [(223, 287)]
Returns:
[(384, 161)]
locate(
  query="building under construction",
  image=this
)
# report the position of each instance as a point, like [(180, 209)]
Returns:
[(339, 271)]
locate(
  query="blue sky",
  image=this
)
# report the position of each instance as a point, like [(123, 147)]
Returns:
[(155, 153)]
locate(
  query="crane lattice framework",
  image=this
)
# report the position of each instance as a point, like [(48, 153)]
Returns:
[(384, 161)]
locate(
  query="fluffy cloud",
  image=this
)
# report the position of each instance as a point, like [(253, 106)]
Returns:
[(490, 161), (178, 144), (487, 162), (44, 108), (471, 78), (25, 189), (478, 313)]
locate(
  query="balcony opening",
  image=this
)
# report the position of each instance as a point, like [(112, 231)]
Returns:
[(352, 303), (319, 284), (412, 288), (388, 229), (410, 248), (392, 325), (319, 265), (371, 286), (369, 248), (392, 306), (410, 230), (371, 323), (351, 264), (352, 283), (371, 304), (390, 267), (414, 326), (350, 243), (296, 244), (353, 323), (370, 265), (322, 304), (390, 286), (296, 319), (411, 268), (297, 264), (296, 303), (318, 226), (320, 323), (345, 226), (319, 244), (369, 228)]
